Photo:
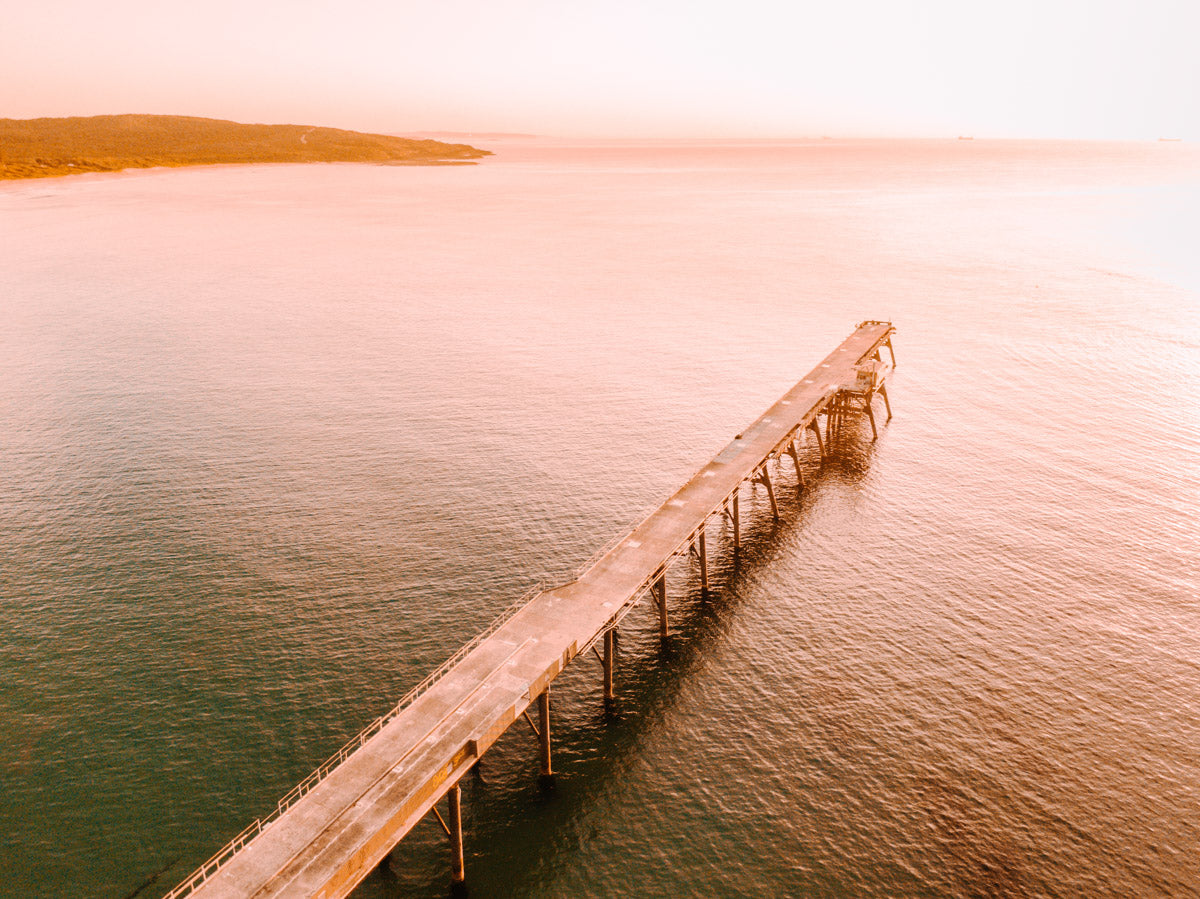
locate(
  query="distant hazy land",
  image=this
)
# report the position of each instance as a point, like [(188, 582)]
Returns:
[(43, 148)]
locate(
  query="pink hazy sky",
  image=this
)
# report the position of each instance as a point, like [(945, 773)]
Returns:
[(759, 68)]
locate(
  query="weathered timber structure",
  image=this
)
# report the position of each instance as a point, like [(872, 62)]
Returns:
[(339, 824)]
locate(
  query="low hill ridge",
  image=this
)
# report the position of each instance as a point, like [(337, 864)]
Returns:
[(39, 148)]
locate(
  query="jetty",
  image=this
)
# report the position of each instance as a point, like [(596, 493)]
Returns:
[(340, 823)]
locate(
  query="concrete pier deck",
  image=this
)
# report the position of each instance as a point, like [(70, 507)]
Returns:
[(334, 829)]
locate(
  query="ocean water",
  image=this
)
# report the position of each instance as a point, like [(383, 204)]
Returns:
[(276, 440)]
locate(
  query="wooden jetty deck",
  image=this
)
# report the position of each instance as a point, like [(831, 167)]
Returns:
[(337, 826)]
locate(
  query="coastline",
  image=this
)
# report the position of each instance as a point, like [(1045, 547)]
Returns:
[(67, 170), (54, 148)]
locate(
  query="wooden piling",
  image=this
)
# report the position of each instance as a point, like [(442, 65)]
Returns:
[(659, 590), (815, 427), (794, 452), (458, 873), (764, 478), (871, 417), (547, 773), (607, 661)]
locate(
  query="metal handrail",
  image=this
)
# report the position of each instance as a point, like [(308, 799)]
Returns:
[(234, 846)]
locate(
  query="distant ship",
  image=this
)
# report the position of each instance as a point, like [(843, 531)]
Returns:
[(965, 137)]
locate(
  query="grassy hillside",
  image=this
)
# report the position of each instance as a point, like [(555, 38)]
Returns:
[(40, 148)]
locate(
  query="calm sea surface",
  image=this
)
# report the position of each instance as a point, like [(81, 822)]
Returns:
[(275, 441)]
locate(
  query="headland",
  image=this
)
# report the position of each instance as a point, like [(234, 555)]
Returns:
[(51, 147)]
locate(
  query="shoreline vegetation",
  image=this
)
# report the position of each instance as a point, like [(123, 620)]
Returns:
[(50, 148)]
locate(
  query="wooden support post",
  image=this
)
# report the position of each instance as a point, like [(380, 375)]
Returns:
[(765, 479), (871, 417), (815, 427), (458, 875), (607, 661), (892, 350), (547, 774), (659, 591), (703, 563), (795, 454), (737, 523), (883, 393)]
